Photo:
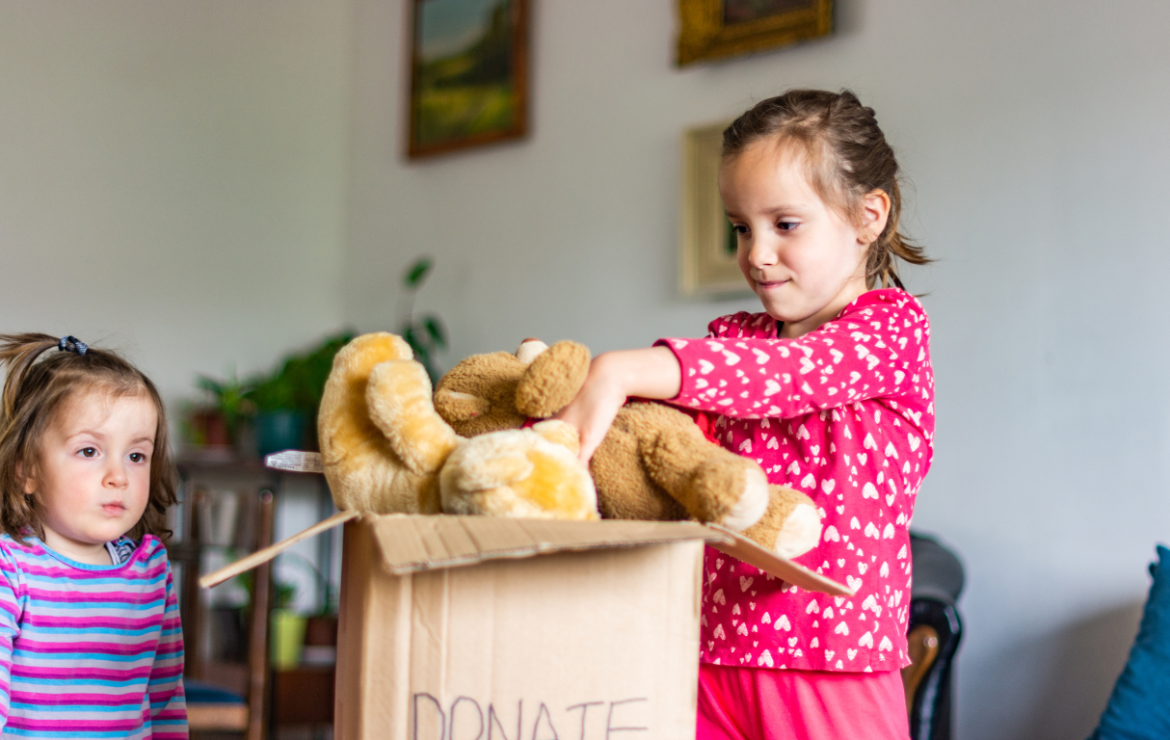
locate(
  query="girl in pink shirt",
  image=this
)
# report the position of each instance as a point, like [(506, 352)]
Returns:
[(831, 391)]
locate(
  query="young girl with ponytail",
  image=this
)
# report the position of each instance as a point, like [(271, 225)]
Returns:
[(830, 390)]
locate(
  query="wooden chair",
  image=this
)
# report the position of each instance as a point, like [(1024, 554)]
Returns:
[(934, 634), (210, 707)]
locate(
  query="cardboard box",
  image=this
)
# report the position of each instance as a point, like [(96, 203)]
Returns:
[(466, 628), (559, 629)]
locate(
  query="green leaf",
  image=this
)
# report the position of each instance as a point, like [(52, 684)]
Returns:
[(417, 272), (211, 385), (434, 326)]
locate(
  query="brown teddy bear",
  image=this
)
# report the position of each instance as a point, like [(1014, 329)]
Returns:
[(653, 464), (385, 450)]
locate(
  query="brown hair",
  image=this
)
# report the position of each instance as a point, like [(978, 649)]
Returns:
[(847, 158), (36, 392)]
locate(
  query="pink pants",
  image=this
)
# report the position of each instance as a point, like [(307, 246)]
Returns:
[(761, 704)]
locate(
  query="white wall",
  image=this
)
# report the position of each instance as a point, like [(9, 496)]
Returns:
[(173, 176), (1035, 137)]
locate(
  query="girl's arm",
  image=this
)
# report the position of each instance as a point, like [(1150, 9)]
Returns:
[(879, 349), (614, 377), (168, 706)]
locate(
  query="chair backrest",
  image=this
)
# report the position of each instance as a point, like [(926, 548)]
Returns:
[(251, 715), (935, 630), (922, 645), (929, 705), (258, 632)]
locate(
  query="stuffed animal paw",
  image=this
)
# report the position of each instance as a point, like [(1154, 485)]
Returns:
[(790, 526)]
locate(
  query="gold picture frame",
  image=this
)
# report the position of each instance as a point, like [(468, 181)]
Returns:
[(468, 74), (707, 244), (713, 29)]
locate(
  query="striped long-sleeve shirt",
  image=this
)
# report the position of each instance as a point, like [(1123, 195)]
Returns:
[(89, 651)]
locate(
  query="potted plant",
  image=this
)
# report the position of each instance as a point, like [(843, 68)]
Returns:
[(286, 401), (215, 425), (288, 629), (309, 637), (279, 424)]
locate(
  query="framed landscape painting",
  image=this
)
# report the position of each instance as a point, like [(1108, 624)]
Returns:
[(707, 243), (713, 29), (468, 74)]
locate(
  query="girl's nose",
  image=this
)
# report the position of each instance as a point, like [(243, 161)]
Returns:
[(116, 476), (760, 253)]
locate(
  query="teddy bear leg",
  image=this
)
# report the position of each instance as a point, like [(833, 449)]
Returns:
[(790, 526), (398, 397), (478, 395), (725, 489), (625, 490), (714, 485)]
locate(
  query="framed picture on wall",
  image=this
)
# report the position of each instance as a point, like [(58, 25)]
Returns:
[(468, 74), (713, 29), (707, 243)]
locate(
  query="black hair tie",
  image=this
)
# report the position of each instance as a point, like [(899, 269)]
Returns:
[(72, 344)]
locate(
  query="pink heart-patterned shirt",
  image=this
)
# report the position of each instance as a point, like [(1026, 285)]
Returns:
[(844, 414)]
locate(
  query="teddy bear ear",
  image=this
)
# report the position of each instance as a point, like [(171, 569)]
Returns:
[(553, 379), (455, 406)]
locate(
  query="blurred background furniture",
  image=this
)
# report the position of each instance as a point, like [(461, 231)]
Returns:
[(226, 670), (934, 633), (1137, 708), (212, 705)]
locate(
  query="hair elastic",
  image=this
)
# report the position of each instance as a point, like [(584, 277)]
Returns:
[(72, 344)]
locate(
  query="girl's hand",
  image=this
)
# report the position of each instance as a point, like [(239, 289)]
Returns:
[(614, 377), (594, 408)]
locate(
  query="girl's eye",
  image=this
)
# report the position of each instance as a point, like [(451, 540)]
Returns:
[(87, 452), (786, 225), (739, 229), (137, 457)]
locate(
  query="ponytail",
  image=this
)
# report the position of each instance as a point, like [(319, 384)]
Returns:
[(18, 352), (880, 263)]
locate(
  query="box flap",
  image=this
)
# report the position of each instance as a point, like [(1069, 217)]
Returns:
[(268, 553), (416, 543), (741, 548), (411, 543)]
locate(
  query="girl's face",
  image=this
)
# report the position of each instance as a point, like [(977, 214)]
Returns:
[(801, 258), (92, 480)]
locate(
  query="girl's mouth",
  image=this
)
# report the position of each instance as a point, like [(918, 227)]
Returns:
[(770, 284), (114, 509)]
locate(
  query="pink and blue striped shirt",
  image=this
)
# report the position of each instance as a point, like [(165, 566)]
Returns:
[(89, 651)]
